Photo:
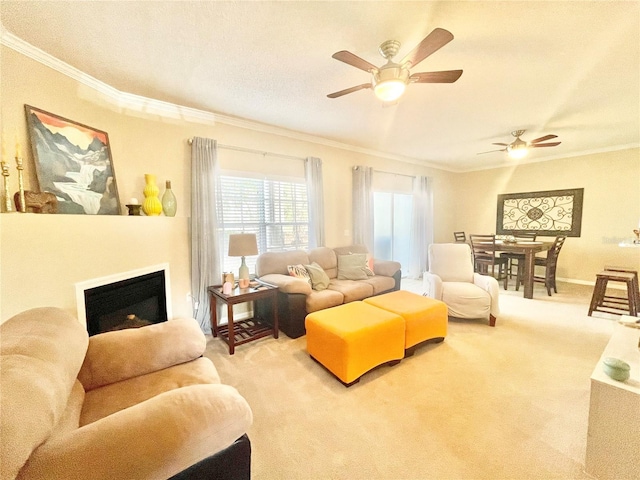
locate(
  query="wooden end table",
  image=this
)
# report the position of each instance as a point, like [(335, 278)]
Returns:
[(243, 331)]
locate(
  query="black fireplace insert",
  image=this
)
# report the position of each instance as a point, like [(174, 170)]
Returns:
[(133, 302)]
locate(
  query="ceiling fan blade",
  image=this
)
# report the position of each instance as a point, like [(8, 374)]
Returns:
[(431, 43), (491, 151), (349, 90), (553, 144), (503, 144), (447, 76), (354, 60), (543, 139)]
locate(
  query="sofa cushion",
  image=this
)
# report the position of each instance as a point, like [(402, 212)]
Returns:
[(152, 440), (327, 259), (107, 359), (352, 289), (277, 262), (42, 350), (319, 300), (466, 300), (351, 249), (387, 268), (319, 278), (380, 284), (353, 267), (70, 420), (112, 398), (452, 262)]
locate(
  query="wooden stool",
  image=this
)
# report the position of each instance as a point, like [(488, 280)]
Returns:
[(425, 319), (600, 300)]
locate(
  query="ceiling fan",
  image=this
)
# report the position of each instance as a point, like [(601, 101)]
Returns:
[(519, 148), (390, 80)]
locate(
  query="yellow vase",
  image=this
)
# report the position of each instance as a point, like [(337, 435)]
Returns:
[(152, 206)]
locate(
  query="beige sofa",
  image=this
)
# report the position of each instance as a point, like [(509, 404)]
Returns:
[(297, 297), (132, 404)]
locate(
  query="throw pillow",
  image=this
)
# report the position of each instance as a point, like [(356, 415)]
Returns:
[(319, 278), (352, 267), (370, 265), (299, 271)]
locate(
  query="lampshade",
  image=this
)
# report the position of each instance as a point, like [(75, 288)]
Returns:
[(242, 245)]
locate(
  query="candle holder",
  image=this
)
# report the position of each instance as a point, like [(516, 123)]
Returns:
[(6, 195), (134, 208), (23, 205)]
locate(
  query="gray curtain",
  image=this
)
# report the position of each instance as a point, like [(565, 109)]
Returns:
[(363, 206), (422, 226), (205, 265), (313, 175)]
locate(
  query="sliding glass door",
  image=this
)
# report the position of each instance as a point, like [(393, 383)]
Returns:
[(392, 226)]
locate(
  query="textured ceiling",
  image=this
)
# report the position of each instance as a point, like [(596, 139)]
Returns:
[(550, 67)]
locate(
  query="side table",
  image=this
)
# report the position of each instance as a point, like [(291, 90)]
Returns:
[(243, 331)]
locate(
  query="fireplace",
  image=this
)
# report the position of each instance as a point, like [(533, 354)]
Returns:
[(131, 299)]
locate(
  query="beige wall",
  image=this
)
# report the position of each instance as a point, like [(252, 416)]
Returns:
[(42, 257), (611, 208)]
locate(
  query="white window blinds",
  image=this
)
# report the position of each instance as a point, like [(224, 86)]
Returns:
[(274, 209)]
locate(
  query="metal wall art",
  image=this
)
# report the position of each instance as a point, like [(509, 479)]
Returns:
[(73, 161), (550, 213)]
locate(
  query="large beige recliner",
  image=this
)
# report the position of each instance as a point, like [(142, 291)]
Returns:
[(452, 280), (131, 404)]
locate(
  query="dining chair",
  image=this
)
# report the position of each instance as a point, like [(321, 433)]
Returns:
[(517, 259), (460, 237), (549, 263), (485, 260)]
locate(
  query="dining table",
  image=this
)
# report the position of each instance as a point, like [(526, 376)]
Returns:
[(529, 250)]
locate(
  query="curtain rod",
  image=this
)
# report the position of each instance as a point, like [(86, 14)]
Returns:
[(392, 173), (251, 150)]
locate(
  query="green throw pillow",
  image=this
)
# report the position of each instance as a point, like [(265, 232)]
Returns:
[(352, 267), (319, 278)]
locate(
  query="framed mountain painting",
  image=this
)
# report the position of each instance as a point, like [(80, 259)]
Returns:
[(73, 161)]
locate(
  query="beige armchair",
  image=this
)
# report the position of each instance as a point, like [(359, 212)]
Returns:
[(131, 404), (452, 280)]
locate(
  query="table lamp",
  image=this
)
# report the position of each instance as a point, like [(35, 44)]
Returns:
[(242, 245)]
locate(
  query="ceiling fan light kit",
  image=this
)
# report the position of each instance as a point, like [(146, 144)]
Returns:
[(519, 149), (390, 81)]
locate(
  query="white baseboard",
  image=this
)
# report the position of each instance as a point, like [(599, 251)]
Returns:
[(614, 285)]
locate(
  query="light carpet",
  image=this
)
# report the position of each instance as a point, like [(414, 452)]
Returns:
[(510, 402)]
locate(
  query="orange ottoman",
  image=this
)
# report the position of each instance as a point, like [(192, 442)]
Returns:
[(425, 318), (351, 339)]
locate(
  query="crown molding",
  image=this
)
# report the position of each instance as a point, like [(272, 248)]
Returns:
[(265, 128), (122, 100)]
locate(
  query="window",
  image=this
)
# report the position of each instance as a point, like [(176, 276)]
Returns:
[(275, 209), (392, 226)]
